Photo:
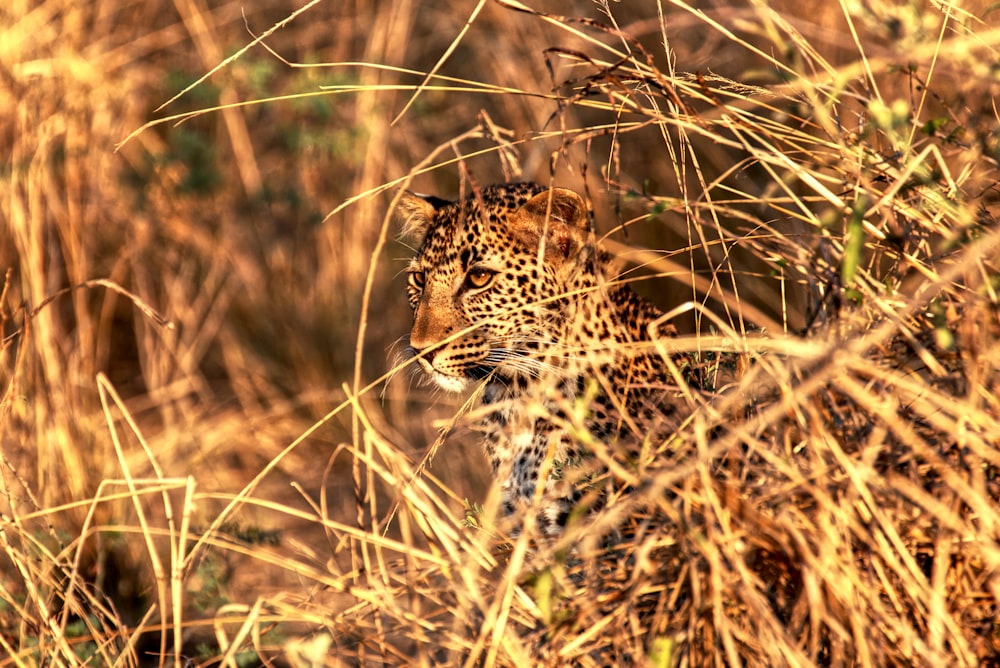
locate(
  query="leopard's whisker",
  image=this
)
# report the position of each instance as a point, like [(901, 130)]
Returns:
[(517, 360), (399, 358)]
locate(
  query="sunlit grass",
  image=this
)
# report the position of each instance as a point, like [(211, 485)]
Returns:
[(203, 458)]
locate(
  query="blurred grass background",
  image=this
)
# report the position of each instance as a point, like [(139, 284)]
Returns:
[(251, 229)]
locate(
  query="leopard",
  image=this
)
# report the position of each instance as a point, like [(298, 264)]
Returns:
[(513, 297)]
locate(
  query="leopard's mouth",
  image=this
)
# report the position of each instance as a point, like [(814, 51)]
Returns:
[(499, 365), (455, 379), (481, 371), (457, 382)]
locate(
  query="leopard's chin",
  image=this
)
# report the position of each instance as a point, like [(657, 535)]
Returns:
[(446, 381), (456, 382), (450, 383), (460, 383)]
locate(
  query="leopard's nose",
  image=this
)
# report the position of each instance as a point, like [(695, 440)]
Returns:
[(431, 325), (425, 356), (415, 346), (425, 352)]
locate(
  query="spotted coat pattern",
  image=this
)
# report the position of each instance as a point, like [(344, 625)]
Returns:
[(510, 295)]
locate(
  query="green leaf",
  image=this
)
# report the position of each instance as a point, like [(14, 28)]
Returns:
[(854, 242), (661, 653), (933, 125)]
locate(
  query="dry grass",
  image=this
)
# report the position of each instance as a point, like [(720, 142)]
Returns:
[(200, 459)]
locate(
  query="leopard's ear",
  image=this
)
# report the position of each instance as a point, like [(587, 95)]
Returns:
[(416, 213), (561, 215), (566, 207)]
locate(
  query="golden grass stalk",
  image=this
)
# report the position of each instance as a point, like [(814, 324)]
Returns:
[(809, 187)]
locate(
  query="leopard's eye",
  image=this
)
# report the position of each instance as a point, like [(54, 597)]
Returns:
[(478, 277), (414, 286)]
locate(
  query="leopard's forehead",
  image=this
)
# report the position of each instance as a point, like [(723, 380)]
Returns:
[(477, 224)]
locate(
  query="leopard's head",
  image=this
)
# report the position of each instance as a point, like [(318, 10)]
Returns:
[(489, 282)]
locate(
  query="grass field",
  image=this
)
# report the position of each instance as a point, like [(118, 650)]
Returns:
[(202, 296)]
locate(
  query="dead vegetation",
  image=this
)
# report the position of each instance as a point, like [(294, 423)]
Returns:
[(201, 461)]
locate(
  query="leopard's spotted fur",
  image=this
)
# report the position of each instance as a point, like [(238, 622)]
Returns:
[(510, 294)]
